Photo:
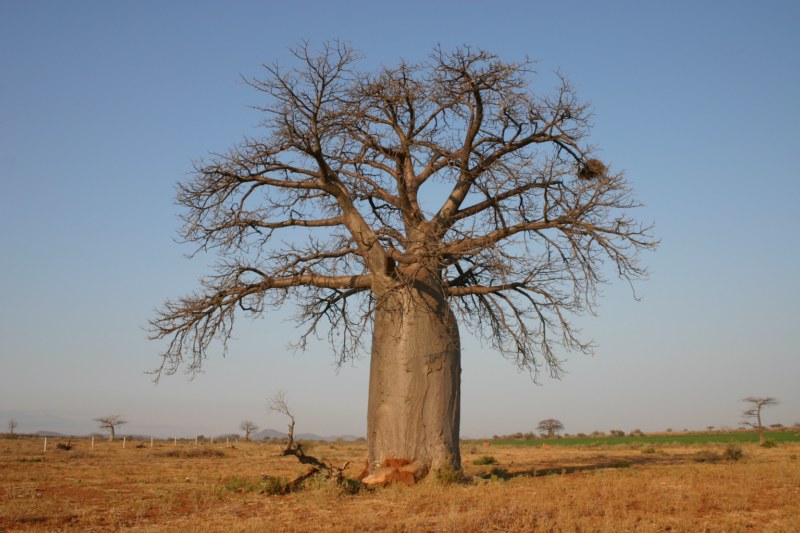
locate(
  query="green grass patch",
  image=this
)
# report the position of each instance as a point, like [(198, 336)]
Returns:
[(737, 437)]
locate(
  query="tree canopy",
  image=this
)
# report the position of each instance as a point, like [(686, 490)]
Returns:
[(551, 426), (452, 164)]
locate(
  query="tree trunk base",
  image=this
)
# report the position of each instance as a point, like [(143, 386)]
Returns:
[(396, 471)]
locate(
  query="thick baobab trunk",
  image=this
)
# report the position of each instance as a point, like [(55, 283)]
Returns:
[(415, 380)]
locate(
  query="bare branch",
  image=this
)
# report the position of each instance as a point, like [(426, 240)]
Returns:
[(334, 208), (279, 404)]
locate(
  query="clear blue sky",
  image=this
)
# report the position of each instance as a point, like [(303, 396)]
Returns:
[(104, 106)]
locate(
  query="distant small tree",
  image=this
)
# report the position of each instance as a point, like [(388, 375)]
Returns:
[(249, 428), (12, 425), (109, 423), (752, 416), (617, 433), (551, 426)]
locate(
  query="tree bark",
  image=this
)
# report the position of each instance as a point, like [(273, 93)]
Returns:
[(415, 378)]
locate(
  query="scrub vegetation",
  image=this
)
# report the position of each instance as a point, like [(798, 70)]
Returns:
[(640, 484)]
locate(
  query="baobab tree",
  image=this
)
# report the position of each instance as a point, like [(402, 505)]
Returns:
[(109, 423), (399, 203), (752, 416), (249, 427), (551, 426)]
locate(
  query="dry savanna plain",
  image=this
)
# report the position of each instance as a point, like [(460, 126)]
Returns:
[(613, 485)]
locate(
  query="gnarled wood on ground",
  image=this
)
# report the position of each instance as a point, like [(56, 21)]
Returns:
[(295, 448)]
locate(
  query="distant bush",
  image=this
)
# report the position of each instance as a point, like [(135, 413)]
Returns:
[(617, 433), (637, 433), (649, 450), (273, 486), (484, 460), (769, 444), (499, 473), (707, 457), (447, 474), (733, 452)]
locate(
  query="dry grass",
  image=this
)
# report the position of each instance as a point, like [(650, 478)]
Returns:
[(532, 489)]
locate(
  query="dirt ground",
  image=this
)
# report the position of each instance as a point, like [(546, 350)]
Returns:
[(213, 487)]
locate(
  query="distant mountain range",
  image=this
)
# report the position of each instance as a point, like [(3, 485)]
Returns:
[(49, 434)]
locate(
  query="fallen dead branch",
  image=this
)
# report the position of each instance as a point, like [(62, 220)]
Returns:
[(334, 473)]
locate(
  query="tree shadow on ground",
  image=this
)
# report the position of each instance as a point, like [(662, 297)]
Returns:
[(604, 463)]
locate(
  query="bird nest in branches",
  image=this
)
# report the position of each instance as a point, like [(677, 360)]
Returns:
[(591, 169)]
